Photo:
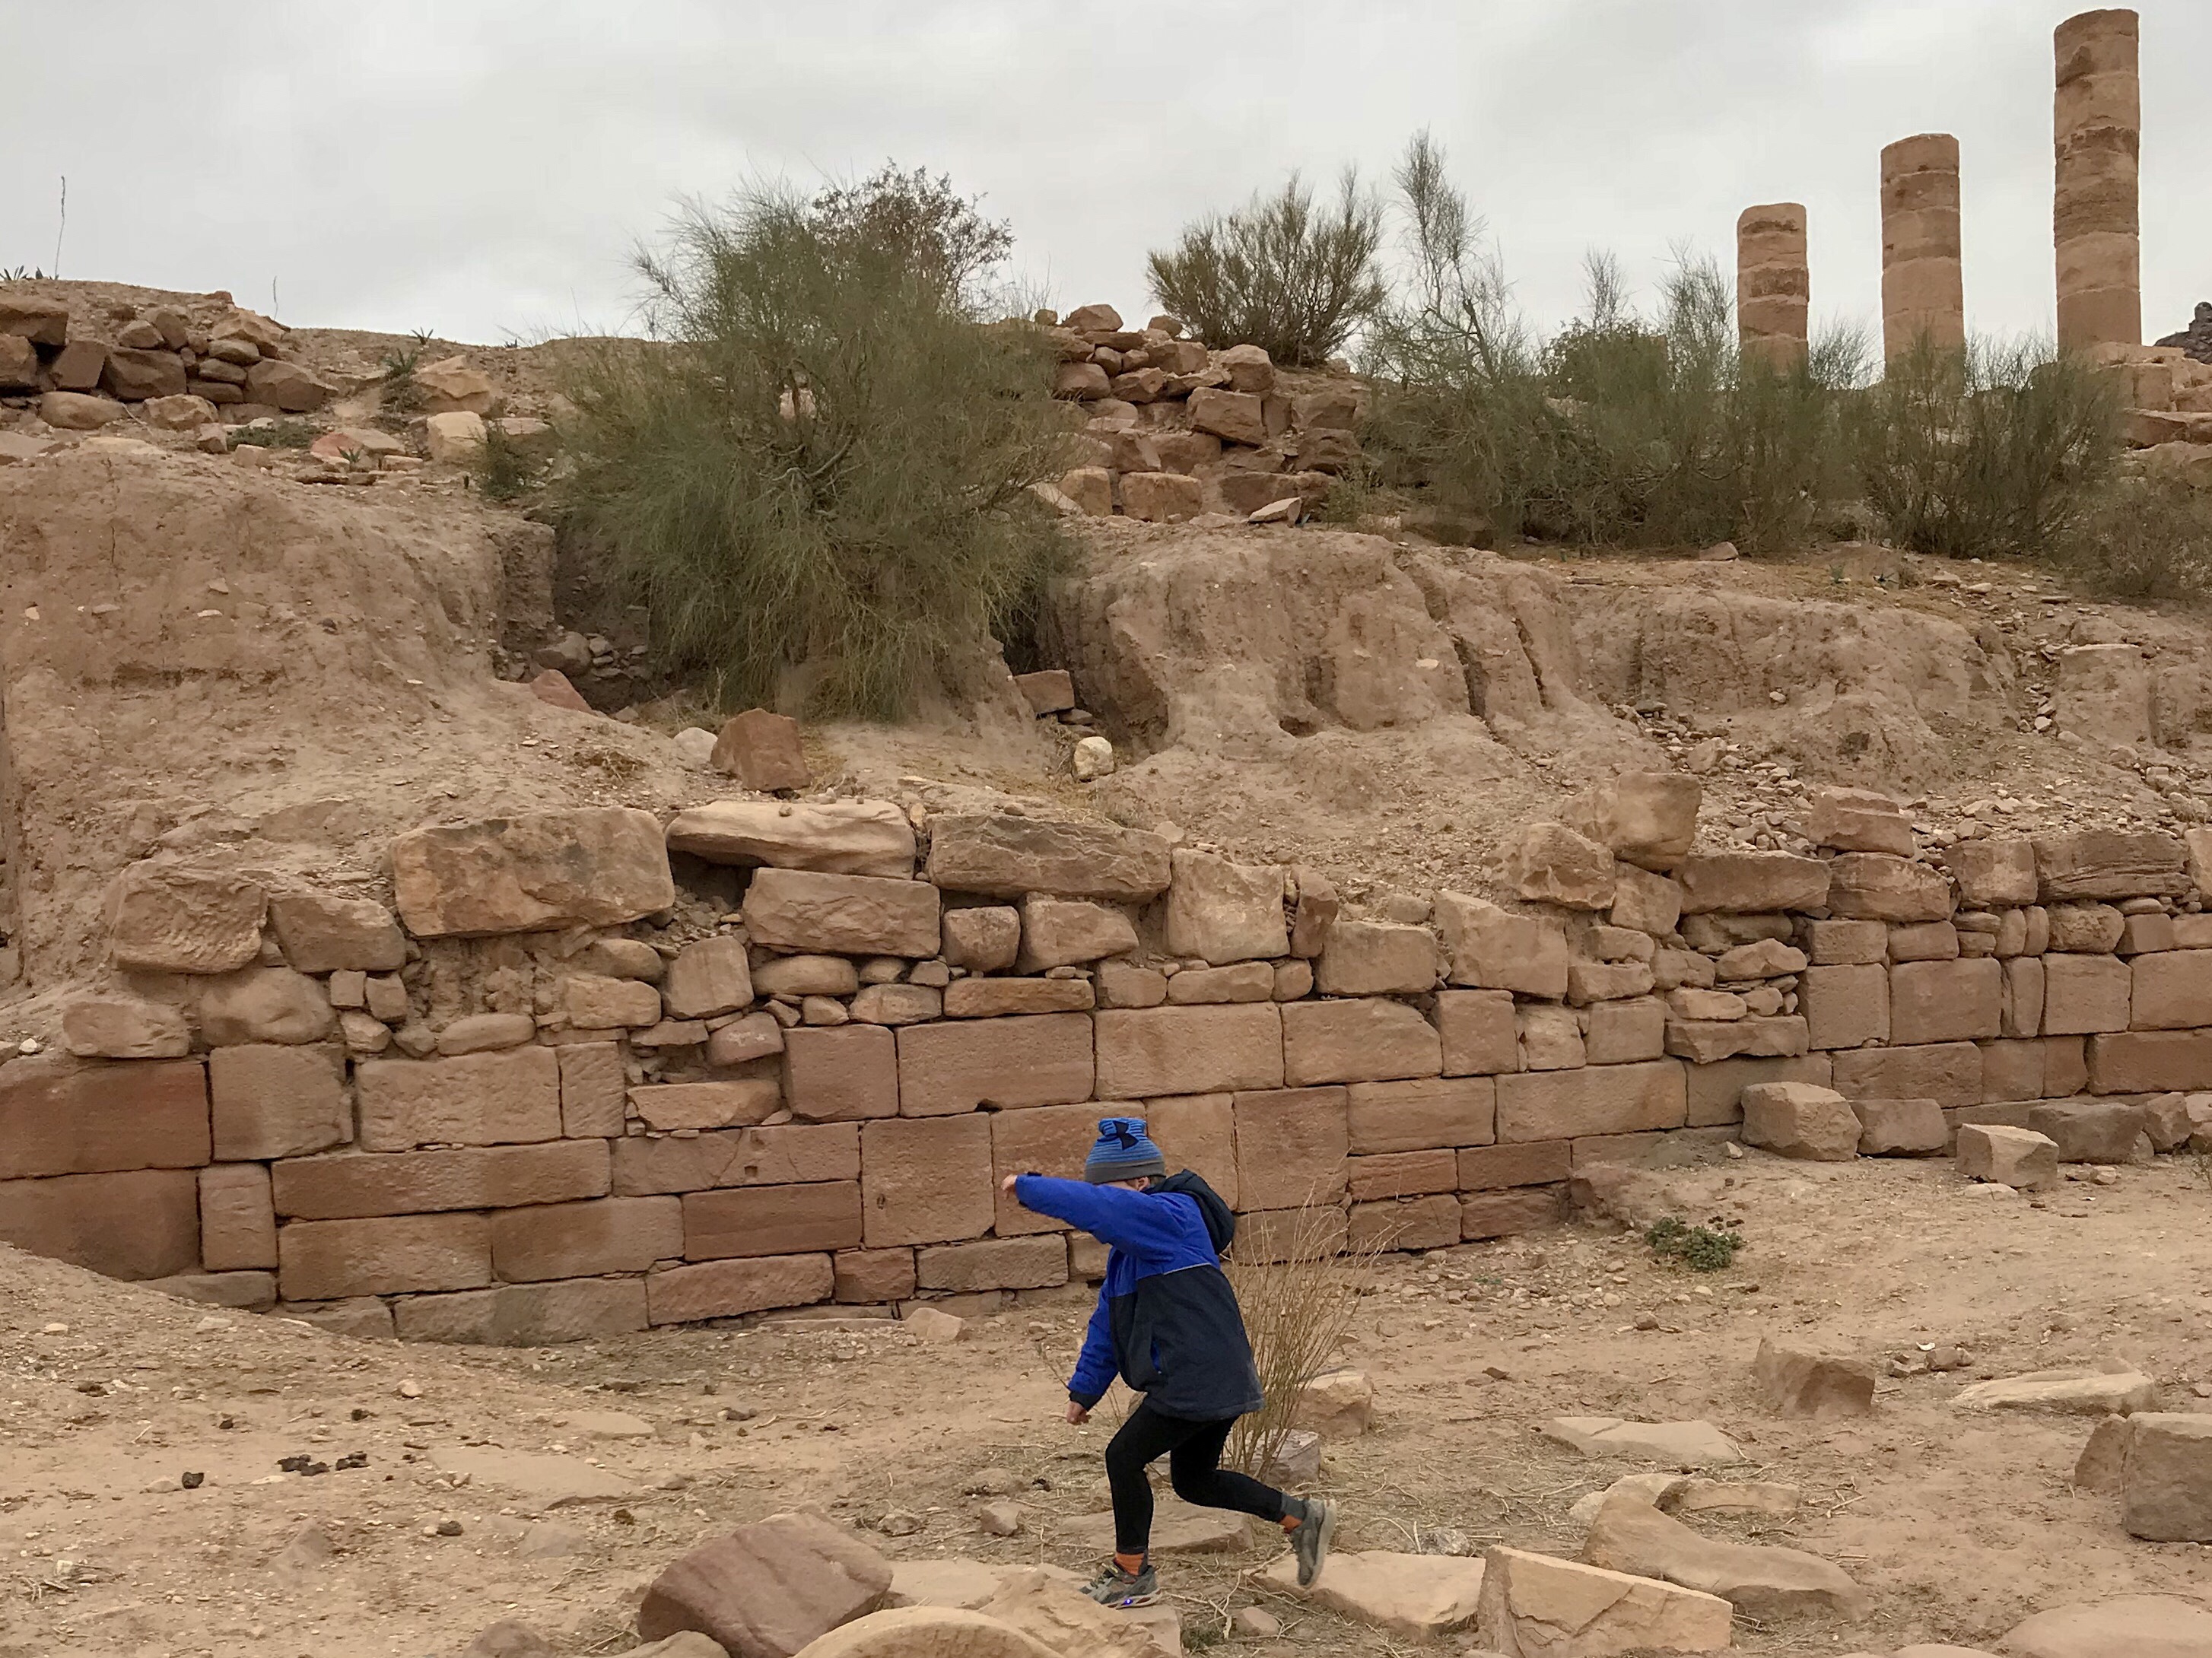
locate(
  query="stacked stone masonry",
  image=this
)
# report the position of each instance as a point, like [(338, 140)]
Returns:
[(556, 1081), (1173, 429)]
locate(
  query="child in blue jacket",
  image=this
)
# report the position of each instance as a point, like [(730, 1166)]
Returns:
[(1167, 1322)]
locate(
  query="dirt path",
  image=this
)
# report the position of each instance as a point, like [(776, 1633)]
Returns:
[(1959, 1524)]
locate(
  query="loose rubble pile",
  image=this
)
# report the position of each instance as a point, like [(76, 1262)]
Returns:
[(599, 1072), (1176, 430)]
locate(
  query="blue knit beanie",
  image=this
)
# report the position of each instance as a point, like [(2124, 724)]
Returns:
[(1124, 1152)]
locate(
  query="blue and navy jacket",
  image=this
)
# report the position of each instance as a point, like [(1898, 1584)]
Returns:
[(1167, 1321)]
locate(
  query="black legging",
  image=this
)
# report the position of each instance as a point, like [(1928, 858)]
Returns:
[(1193, 1453)]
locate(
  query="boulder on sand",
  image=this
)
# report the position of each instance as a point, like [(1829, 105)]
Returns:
[(1631, 1535), (1419, 1597)]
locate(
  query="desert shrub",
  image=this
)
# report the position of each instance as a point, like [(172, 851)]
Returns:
[(1295, 1311), (2000, 450), (1700, 1249), (940, 236), (1620, 429), (504, 469), (1281, 272), (817, 482), (399, 393), (2141, 538)]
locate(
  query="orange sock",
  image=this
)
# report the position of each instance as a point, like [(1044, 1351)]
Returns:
[(1132, 1563), (1292, 1521)]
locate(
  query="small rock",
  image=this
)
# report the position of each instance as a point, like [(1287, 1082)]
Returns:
[(1255, 1624), (1094, 758), (991, 1482), (931, 1325), (999, 1519), (900, 1522), (1800, 1383)]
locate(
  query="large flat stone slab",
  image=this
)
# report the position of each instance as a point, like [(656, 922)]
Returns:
[(1416, 1595), (1633, 1536), (1535, 1606), (2137, 1626), (1677, 1444), (2076, 1392)]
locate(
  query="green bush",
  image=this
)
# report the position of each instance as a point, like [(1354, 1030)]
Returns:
[(2142, 539), (817, 478), (1700, 1249), (1620, 430), (1998, 451), (1279, 273)]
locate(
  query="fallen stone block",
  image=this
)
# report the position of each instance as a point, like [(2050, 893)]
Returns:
[(1797, 1382), (1634, 1536), (1801, 1120), (2120, 1392), (2097, 1468), (767, 1589), (1419, 1597), (1535, 1606), (1338, 1405), (2089, 1130), (2135, 1625), (2166, 1477), (2018, 1157), (762, 751), (1677, 1444), (1647, 817), (1901, 1128)]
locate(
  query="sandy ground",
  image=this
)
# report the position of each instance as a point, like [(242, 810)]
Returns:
[(1959, 1523)]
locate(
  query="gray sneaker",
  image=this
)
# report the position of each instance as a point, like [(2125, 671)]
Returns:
[(1114, 1587), (1309, 1542)]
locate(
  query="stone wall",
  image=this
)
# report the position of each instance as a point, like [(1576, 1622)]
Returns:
[(580, 1072), (1175, 429)]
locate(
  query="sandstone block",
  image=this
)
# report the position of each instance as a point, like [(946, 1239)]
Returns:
[(789, 1154), (1232, 416), (925, 1180), (2089, 1130), (2026, 994), (1845, 1006), (848, 915), (731, 1289), (485, 1033), (740, 1102), (1949, 1074), (1199, 1131), (1050, 690), (1624, 1032), (1631, 1534), (1377, 959), (838, 837), (2172, 991), (136, 374), (1798, 1382), (1946, 1001), (762, 751), (1291, 1147), (1644, 817), (1801, 1120), (331, 1260), (526, 1315), (1063, 931), (1877, 886), (1477, 1031), (1494, 949), (1846, 943), (1762, 958), (1405, 1174), (65, 1116), (135, 1224), (2017, 1158), (599, 867), (1315, 913), (321, 932), (841, 1073), (1018, 1263), (1003, 856), (2109, 864), (1751, 883), (36, 318), (279, 385), (1551, 864), (1367, 1039), (873, 1277), (271, 1100), (767, 1589), (1924, 941), (1044, 1060), (1705, 1041), (1535, 1606), (1532, 1163), (2086, 929), (770, 1220), (1506, 1214), (1224, 912), (264, 1005), (1412, 1223), (578, 1240), (238, 1224), (1649, 903), (805, 975), (983, 939), (1901, 1128), (1601, 982), (479, 1099), (1551, 1040), (898, 1005), (1716, 1090), (1144, 1052), (2150, 1062), (594, 1089), (2082, 994), (124, 1027), (2166, 1478), (1051, 1140), (1611, 1099), (1162, 497), (356, 1185), (1859, 820), (1241, 981), (993, 998), (167, 919), (77, 411), (708, 977)]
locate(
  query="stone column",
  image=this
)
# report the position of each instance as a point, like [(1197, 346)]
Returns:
[(1773, 286), (2097, 124), (1923, 293)]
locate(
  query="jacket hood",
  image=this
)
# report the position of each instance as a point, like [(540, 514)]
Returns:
[(1220, 1222)]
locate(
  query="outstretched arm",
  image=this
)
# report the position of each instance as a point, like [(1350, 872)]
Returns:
[(1144, 1226)]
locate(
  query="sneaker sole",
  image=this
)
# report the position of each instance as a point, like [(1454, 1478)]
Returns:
[(1134, 1602), (1327, 1528)]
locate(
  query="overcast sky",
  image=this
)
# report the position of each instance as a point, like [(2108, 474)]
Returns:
[(481, 168)]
